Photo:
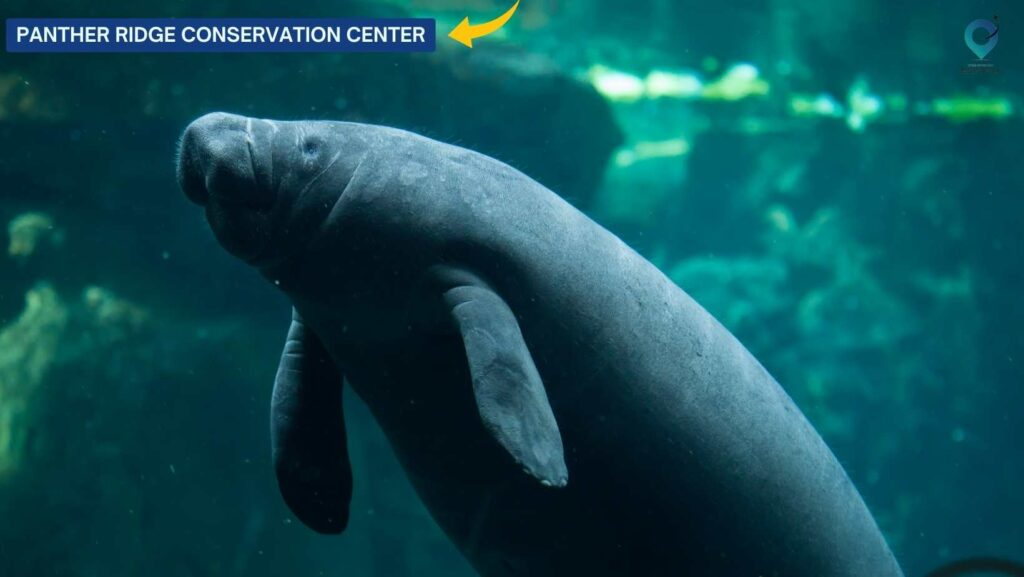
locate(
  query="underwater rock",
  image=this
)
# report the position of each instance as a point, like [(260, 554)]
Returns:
[(28, 346), (512, 104), (51, 332), (742, 292), (823, 241), (521, 108)]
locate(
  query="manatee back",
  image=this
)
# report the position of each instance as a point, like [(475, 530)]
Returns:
[(673, 407), (707, 462)]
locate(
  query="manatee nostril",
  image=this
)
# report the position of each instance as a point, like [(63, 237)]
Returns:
[(191, 179), (230, 177)]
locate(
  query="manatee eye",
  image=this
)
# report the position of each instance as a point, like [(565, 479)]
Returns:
[(310, 146)]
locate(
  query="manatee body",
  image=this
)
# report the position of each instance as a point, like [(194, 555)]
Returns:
[(561, 407)]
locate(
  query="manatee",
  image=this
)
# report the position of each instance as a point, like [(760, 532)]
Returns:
[(559, 405)]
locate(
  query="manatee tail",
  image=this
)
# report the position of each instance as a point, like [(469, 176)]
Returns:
[(975, 565)]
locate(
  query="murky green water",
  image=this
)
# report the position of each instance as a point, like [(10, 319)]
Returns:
[(838, 182)]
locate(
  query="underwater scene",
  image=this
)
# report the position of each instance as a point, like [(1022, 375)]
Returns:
[(838, 182)]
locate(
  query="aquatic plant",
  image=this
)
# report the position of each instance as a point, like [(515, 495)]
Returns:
[(28, 347), (29, 230), (738, 82), (970, 108)]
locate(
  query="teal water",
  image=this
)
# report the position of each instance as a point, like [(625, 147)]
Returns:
[(838, 182)]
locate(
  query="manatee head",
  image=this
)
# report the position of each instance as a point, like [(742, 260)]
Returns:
[(266, 186)]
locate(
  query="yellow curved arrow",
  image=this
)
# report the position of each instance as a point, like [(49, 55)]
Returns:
[(466, 32)]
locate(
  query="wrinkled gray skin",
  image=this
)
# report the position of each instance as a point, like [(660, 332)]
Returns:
[(560, 406)]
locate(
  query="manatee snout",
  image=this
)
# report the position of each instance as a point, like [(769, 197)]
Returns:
[(225, 158), (266, 186), (224, 165)]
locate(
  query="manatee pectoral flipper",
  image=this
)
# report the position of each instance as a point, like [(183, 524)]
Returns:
[(307, 432), (509, 393)]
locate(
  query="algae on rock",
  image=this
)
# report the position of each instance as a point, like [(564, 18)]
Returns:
[(28, 347), (28, 231)]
